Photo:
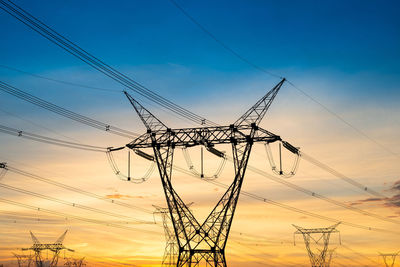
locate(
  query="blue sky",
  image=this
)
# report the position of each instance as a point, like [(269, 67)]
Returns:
[(346, 36)]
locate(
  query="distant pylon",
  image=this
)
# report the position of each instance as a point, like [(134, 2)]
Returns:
[(24, 260), (319, 253), (389, 258), (171, 251), (55, 248), (73, 262)]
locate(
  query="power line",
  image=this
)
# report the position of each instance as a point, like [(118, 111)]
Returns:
[(26, 15), (48, 140), (319, 196), (252, 168), (287, 207), (217, 40), (64, 112), (79, 218), (257, 67), (58, 81), (75, 205), (72, 48), (75, 189), (342, 176), (36, 124), (254, 196), (294, 187), (360, 255)]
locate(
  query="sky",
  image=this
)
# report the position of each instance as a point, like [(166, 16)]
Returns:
[(343, 54)]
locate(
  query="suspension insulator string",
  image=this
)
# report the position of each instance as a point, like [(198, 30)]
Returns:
[(129, 165), (128, 177), (202, 165), (295, 165), (280, 158), (201, 174)]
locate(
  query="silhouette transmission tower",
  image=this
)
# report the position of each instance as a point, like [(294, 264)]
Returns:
[(389, 258), (24, 260), (75, 262), (55, 248), (203, 244), (171, 247), (319, 253)]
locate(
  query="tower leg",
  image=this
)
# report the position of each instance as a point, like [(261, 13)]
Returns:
[(202, 245)]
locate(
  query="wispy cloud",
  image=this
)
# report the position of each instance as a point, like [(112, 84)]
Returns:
[(393, 201)]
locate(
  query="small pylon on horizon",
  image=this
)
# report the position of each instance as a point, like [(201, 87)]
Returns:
[(319, 253), (389, 258)]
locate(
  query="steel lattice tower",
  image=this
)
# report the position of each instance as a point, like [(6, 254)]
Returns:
[(203, 244), (55, 248), (389, 258), (73, 262), (171, 247), (320, 255), (23, 260)]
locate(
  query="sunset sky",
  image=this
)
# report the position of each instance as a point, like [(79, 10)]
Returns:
[(343, 54)]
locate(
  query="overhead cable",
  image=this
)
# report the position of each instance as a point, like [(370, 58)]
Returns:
[(72, 48), (261, 69), (75, 189), (48, 140), (64, 112), (59, 81), (76, 205), (287, 207), (313, 194), (79, 218)]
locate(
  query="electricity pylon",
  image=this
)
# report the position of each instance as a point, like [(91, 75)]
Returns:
[(73, 262), (55, 248), (319, 253), (203, 244), (389, 258), (171, 247), (24, 260)]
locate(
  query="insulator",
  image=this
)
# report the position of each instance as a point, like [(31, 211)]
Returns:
[(2, 165), (192, 169), (124, 177), (216, 152), (291, 148), (144, 155), (115, 149), (273, 165)]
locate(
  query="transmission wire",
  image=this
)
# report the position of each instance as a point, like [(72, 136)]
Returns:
[(313, 194), (257, 67), (75, 205), (96, 63), (284, 206), (58, 81), (75, 189), (64, 112), (65, 215)]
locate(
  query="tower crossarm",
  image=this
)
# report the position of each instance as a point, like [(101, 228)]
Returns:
[(208, 136), (330, 229)]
